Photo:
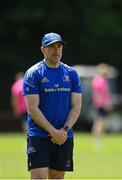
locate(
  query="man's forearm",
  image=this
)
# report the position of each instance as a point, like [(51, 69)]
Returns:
[(76, 102), (41, 120), (73, 116), (57, 136)]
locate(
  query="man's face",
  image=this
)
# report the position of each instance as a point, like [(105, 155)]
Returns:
[(53, 52)]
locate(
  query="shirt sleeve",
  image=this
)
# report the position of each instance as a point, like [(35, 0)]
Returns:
[(30, 83), (76, 82)]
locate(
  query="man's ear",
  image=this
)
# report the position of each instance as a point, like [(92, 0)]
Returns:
[(42, 49)]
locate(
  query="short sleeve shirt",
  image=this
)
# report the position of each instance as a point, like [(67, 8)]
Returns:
[(54, 87)]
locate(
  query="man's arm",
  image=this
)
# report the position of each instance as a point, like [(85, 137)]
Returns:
[(32, 102), (76, 101), (15, 106)]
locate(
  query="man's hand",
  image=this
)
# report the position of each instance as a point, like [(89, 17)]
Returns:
[(58, 136)]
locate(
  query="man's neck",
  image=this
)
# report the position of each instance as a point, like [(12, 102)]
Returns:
[(52, 65)]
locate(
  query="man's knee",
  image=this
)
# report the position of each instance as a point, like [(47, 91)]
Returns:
[(54, 174), (39, 173)]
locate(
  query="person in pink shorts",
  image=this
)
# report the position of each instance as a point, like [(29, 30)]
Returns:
[(100, 100), (18, 102)]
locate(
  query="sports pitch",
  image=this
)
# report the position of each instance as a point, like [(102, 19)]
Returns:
[(90, 162)]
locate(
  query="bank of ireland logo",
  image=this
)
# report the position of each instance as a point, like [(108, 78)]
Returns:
[(56, 85)]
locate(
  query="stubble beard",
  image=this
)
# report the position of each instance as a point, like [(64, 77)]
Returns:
[(55, 62)]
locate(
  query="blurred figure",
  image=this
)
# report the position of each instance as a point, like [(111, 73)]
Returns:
[(100, 101), (18, 101)]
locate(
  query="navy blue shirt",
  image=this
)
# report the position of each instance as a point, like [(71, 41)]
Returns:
[(54, 87)]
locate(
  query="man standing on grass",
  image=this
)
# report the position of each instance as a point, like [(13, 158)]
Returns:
[(52, 92), (101, 101), (18, 102)]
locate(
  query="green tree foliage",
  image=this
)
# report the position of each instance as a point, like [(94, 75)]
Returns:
[(91, 28)]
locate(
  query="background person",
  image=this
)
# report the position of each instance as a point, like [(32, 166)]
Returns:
[(100, 100), (18, 102), (52, 91)]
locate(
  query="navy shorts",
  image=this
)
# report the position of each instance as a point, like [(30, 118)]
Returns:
[(100, 112), (43, 153), (103, 112)]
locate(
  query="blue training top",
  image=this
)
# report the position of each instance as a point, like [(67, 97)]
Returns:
[(54, 86)]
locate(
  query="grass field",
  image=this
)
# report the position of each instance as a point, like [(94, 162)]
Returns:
[(90, 163)]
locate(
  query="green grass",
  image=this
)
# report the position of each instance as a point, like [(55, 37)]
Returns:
[(90, 163)]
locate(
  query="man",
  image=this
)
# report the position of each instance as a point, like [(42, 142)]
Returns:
[(101, 101), (18, 102), (53, 95)]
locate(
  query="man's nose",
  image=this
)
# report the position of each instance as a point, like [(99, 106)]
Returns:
[(57, 49)]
